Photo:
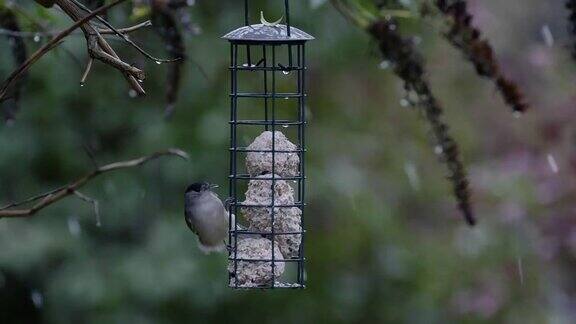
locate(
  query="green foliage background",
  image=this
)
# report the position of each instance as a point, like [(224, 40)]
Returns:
[(385, 242)]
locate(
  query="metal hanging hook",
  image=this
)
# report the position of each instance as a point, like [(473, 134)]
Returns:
[(264, 22)]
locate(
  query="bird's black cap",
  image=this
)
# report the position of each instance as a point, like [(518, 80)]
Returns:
[(200, 186)]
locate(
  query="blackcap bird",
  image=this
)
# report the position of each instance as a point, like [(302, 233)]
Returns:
[(206, 216)]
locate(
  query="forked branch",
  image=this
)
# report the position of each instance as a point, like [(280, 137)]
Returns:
[(46, 199)]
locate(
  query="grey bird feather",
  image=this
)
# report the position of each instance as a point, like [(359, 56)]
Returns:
[(206, 216)]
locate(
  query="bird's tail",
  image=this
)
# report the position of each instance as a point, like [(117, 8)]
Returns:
[(207, 249)]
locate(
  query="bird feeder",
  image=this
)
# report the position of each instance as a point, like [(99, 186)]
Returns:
[(267, 154)]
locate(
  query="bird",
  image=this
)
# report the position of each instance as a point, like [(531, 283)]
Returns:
[(206, 216)]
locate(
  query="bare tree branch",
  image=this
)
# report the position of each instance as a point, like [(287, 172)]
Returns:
[(103, 31), (53, 196), (16, 74)]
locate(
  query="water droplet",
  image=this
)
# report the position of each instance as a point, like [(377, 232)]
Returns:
[(552, 163), (74, 226), (286, 98), (517, 114), (416, 40), (438, 149), (81, 84), (520, 270), (141, 81), (286, 72), (37, 298), (384, 65), (404, 102), (285, 126), (547, 36), (412, 174), (158, 62), (36, 38), (132, 93)]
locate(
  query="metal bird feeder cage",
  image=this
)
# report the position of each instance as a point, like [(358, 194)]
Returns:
[(267, 154)]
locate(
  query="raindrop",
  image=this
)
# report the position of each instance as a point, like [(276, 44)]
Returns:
[(384, 65), (552, 163), (37, 298), (132, 93), (412, 174), (438, 149), (74, 226), (404, 102), (158, 62), (81, 84), (141, 81), (547, 36), (286, 72), (520, 270), (36, 38)]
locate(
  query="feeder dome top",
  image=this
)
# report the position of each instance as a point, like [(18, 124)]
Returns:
[(267, 33)]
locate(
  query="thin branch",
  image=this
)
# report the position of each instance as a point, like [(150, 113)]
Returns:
[(125, 38), (95, 205), (53, 196), (103, 31), (87, 71), (48, 46), (98, 47)]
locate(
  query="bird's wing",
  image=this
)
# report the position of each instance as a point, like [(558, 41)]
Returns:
[(190, 225), (188, 216)]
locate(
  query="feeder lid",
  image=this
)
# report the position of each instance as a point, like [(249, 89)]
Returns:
[(266, 33)]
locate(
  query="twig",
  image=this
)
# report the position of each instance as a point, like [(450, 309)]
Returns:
[(126, 39), (103, 31), (87, 71), (53, 196), (98, 47), (95, 205), (48, 46)]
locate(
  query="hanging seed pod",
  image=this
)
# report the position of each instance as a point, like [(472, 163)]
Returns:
[(164, 20), (467, 38), (46, 3), (409, 66), (18, 48), (571, 6)]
